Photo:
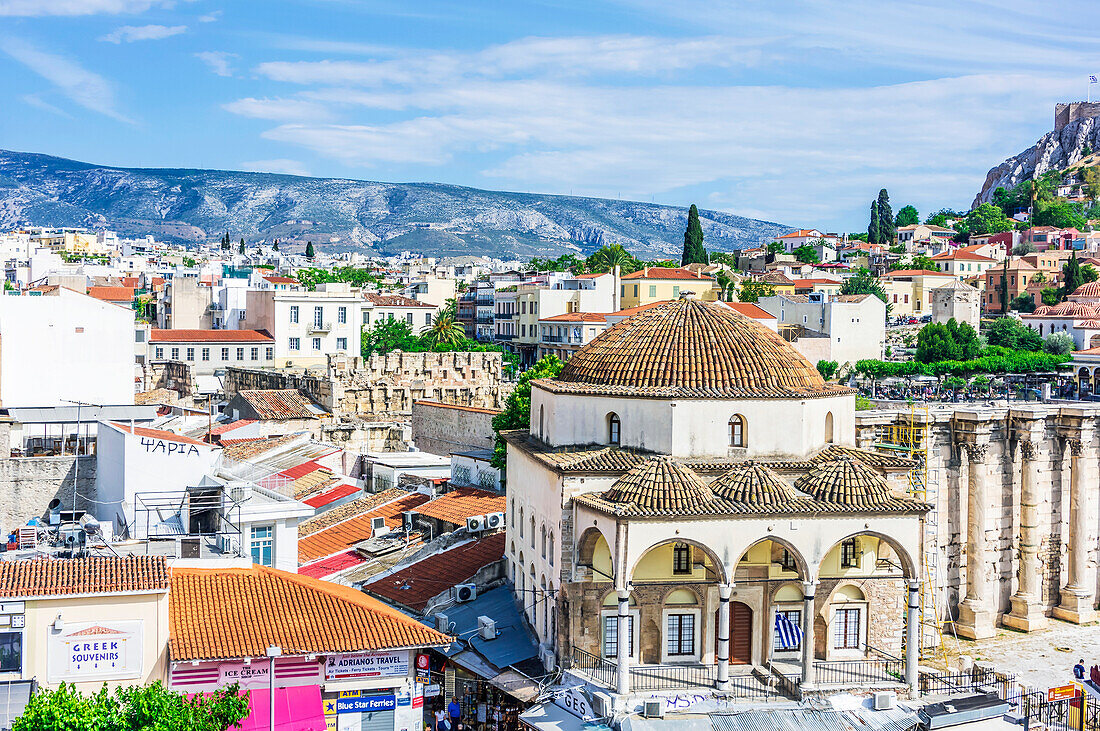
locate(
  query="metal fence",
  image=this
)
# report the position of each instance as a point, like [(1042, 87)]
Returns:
[(663, 677), (601, 670), (859, 672)]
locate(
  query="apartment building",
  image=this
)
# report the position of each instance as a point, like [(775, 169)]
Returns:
[(207, 351), (562, 295), (390, 307), (307, 326), (909, 291), (563, 335), (657, 284)]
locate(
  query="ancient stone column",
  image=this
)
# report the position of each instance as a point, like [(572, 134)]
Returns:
[(912, 636), (1027, 609), (809, 677), (975, 618), (723, 632), (1076, 600), (622, 658)]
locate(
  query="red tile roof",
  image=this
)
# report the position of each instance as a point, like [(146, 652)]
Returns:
[(131, 282), (210, 336), (749, 309), (41, 577), (279, 405), (230, 426), (462, 503), (218, 614), (591, 276), (635, 310), (960, 255), (576, 317), (346, 534), (675, 273), (111, 294), (413, 586), (342, 490), (811, 282), (141, 431), (801, 234), (394, 300), (458, 407), (332, 564), (282, 280)]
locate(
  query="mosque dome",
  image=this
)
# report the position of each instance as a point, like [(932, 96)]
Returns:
[(753, 484), (660, 485), (845, 481)]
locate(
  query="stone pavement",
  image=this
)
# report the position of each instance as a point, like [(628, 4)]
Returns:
[(1040, 659)]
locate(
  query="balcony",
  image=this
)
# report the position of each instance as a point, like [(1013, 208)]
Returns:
[(504, 336), (484, 301), (320, 327), (485, 319)]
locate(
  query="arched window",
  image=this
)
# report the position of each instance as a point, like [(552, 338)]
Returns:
[(521, 522), (532, 537), (614, 429), (829, 428), (542, 415), (544, 541), (737, 431), (551, 548), (681, 559), (1040, 329)]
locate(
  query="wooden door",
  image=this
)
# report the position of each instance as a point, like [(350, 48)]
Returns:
[(740, 634)]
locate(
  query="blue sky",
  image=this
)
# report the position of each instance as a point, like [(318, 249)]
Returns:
[(795, 111)]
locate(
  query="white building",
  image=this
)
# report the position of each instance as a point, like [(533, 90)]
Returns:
[(418, 315), (207, 351), (59, 346), (844, 328), (307, 326)]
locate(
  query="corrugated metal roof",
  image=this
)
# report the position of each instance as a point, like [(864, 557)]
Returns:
[(812, 719), (514, 643)]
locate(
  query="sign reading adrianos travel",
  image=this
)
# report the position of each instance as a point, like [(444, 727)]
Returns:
[(95, 651), (367, 665)]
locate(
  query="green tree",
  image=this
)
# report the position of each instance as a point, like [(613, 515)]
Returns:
[(752, 291), (310, 253), (1049, 295), (966, 338), (606, 258), (1091, 176), (1011, 334), (987, 219), (240, 249), (827, 369), (886, 228), (1060, 214), (1072, 277), (776, 247), (944, 218), (445, 330), (1023, 303), (1060, 343), (1023, 248), (934, 343), (864, 282), (919, 261), (276, 246), (389, 335), (133, 708), (694, 253), (517, 407), (907, 216), (806, 254), (873, 234)]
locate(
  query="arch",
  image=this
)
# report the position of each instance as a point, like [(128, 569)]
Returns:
[(908, 564), (614, 428), (532, 532), (1040, 329), (1094, 341), (542, 539), (542, 415), (715, 560), (829, 427), (802, 566), (551, 558), (738, 431), (521, 522), (512, 548), (681, 598), (790, 592), (586, 546)]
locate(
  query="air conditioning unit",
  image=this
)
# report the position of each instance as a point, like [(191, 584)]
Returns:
[(442, 623), (603, 705), (487, 628), (475, 523), (231, 545), (408, 520), (378, 527), (548, 659), (653, 709), (493, 521), (465, 593), (885, 700)]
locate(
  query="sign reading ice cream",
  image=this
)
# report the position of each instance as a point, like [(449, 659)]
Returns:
[(95, 651)]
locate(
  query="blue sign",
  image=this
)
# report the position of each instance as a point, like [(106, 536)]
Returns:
[(366, 704)]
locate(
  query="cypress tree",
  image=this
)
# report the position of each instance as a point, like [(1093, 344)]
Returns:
[(1072, 277), (886, 226), (240, 249), (276, 246), (873, 226), (309, 250), (694, 253)]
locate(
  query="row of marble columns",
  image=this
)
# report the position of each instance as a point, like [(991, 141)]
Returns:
[(912, 637), (977, 611)]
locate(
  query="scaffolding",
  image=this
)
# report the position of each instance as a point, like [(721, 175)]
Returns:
[(909, 436)]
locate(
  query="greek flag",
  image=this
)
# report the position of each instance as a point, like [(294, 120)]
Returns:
[(789, 635), (1092, 80)]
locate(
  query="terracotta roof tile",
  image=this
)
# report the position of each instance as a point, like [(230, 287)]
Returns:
[(675, 273), (348, 510), (230, 426), (279, 405), (394, 300), (414, 585), (248, 448), (111, 294), (462, 503), (576, 317), (845, 481), (347, 533), (282, 280), (659, 485), (691, 349), (74, 576), (217, 614), (341, 490), (754, 484), (210, 336), (141, 431)]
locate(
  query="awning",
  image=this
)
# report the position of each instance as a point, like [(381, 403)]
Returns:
[(14, 696), (515, 684), (548, 717), (296, 709)]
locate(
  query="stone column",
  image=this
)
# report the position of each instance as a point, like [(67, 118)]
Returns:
[(912, 636), (622, 658), (1027, 609), (723, 633), (1076, 601), (809, 677), (975, 618)]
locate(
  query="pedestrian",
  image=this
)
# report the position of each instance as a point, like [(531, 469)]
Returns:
[(1079, 669), (440, 718), (454, 710)]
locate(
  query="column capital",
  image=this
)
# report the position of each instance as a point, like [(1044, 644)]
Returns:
[(1075, 446), (809, 589), (975, 451), (1027, 449), (725, 591), (624, 594), (914, 584)]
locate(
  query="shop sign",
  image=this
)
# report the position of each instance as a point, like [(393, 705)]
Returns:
[(575, 700), (95, 651), (431, 690), (1061, 693), (247, 676), (367, 665), (354, 702)]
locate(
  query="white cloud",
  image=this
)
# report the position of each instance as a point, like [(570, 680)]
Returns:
[(220, 62), (37, 8), (84, 87), (281, 165), (279, 110), (131, 33), (38, 102), (211, 16)]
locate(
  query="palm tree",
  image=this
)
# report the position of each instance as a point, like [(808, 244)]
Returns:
[(445, 330), (609, 257)]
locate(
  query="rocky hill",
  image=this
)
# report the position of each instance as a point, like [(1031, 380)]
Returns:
[(1056, 150), (193, 206)]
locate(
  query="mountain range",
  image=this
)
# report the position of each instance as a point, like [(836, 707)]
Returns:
[(192, 206)]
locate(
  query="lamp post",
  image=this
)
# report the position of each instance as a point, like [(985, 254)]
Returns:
[(273, 651)]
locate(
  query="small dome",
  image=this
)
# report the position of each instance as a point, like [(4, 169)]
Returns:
[(661, 485), (754, 484), (845, 481), (1088, 289), (690, 348), (1073, 309), (1042, 310)]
